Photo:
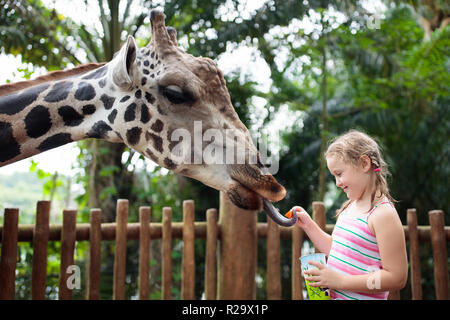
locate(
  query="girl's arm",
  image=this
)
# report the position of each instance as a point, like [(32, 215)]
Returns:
[(320, 239), (388, 230)]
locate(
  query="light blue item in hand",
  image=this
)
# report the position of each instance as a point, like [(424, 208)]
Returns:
[(314, 293)]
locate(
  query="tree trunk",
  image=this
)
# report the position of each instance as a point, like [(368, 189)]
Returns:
[(107, 154), (324, 122)]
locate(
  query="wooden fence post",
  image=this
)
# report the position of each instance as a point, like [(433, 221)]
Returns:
[(238, 251), (296, 276), (9, 254), (166, 248), (319, 216), (144, 253), (212, 232), (414, 255), (40, 242), (188, 262), (67, 251), (120, 258), (439, 243), (95, 238), (273, 261)]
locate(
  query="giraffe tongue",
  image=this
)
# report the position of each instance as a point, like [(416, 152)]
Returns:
[(276, 216)]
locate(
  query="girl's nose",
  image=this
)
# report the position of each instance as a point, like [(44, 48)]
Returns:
[(338, 183)]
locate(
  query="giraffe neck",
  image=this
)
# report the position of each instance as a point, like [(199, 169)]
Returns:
[(52, 114)]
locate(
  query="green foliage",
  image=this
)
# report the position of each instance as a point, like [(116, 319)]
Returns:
[(20, 190), (35, 32)]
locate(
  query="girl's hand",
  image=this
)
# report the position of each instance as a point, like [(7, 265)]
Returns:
[(323, 276), (303, 218)]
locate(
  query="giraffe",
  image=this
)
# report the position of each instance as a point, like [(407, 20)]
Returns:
[(142, 97)]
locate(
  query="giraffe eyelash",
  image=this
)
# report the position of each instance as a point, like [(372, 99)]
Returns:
[(175, 94)]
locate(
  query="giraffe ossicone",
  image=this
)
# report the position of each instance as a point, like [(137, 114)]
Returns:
[(144, 97)]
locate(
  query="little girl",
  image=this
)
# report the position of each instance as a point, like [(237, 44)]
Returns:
[(366, 251)]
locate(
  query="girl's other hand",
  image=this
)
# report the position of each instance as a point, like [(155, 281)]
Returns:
[(323, 276)]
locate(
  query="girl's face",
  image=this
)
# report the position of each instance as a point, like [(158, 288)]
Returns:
[(353, 180)]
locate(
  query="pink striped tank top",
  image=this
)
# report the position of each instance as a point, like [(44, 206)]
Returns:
[(354, 251)]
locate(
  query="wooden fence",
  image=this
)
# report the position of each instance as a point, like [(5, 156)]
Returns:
[(188, 230)]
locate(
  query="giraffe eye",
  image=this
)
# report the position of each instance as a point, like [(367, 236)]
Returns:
[(175, 94)]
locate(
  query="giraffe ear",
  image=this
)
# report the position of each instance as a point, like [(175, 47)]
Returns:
[(125, 59), (172, 35)]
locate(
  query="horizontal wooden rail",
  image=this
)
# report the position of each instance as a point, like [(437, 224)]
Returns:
[(108, 231)]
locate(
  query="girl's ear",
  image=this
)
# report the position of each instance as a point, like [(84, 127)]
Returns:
[(365, 163)]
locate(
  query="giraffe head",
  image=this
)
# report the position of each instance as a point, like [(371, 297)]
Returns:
[(179, 114), (164, 103)]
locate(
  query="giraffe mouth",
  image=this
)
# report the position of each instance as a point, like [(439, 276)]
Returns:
[(247, 199)]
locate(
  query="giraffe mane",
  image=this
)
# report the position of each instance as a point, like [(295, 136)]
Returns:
[(51, 76)]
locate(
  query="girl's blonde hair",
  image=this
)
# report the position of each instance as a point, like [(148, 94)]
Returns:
[(350, 147)]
